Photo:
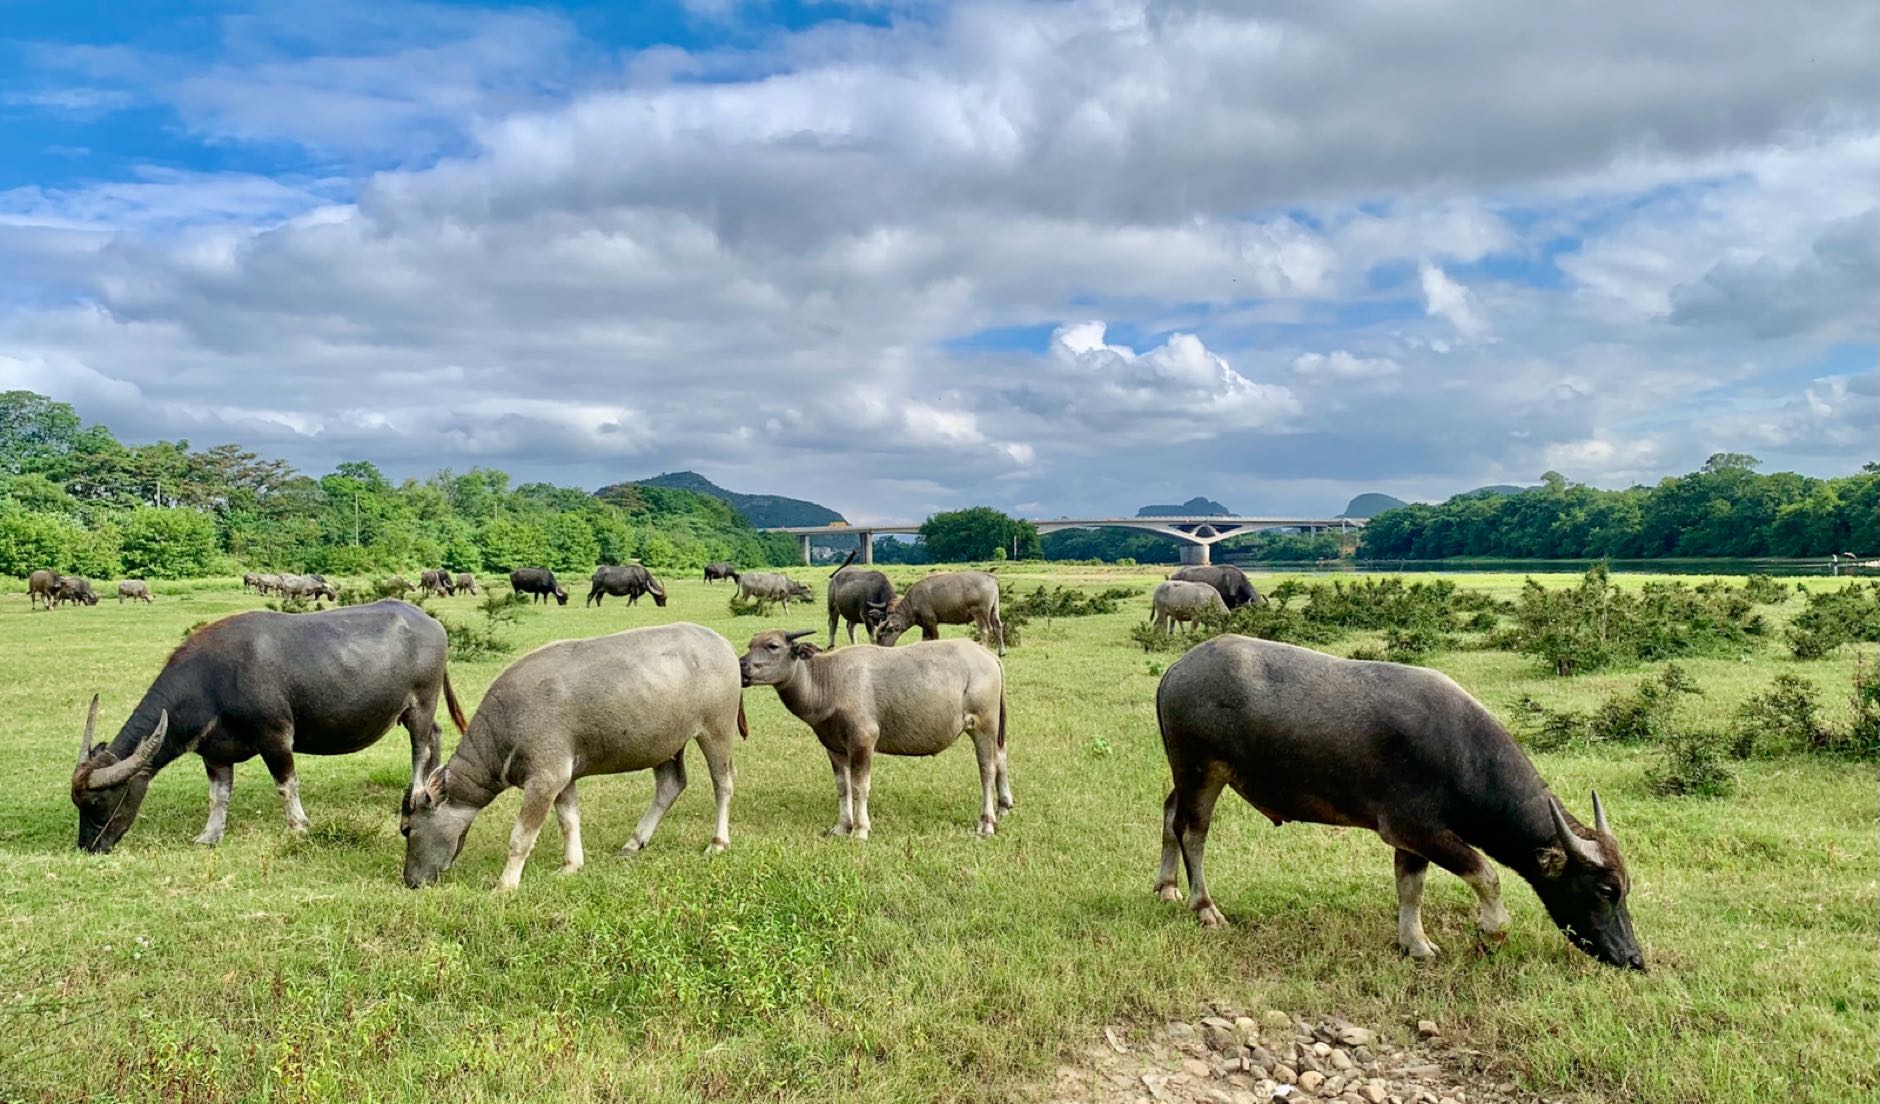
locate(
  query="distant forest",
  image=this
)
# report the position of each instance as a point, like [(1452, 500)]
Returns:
[(73, 498), (1725, 510)]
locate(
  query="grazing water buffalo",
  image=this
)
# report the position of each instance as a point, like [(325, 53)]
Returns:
[(948, 598), (274, 685), (251, 581), (629, 581), (772, 586), (74, 588), (1178, 600), (465, 582), (539, 581), (858, 597), (40, 587), (1402, 751), (267, 584), (606, 705), (437, 583), (133, 589), (912, 701), (1232, 582), (720, 570), (306, 586)]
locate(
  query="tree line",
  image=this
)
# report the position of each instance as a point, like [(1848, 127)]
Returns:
[(75, 499), (1727, 509)]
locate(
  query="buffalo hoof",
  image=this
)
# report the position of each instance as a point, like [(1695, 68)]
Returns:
[(717, 847), (1005, 804), (1420, 952), (208, 839), (1210, 917), (988, 826), (840, 829), (569, 868), (1168, 892), (1491, 941)]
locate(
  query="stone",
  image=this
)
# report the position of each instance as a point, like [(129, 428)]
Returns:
[(1219, 1034), (1320, 1050), (1195, 1067), (1340, 1060), (1262, 1057), (1285, 1075), (1362, 1055), (1310, 1080), (1181, 1032), (1247, 1028), (1427, 1029), (1278, 1021), (1353, 1036), (1374, 1093)]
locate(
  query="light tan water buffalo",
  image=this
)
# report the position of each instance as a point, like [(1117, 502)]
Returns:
[(605, 705), (948, 598), (134, 589), (268, 584), (41, 585), (251, 581), (772, 586), (1402, 751), (305, 586), (1176, 600), (912, 701), (465, 582)]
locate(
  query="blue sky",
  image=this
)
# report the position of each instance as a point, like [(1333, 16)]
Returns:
[(1062, 257)]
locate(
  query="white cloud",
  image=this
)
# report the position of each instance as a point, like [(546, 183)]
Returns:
[(1446, 299)]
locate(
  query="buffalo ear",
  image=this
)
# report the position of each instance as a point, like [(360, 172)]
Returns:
[(1552, 860), (435, 787), (804, 649)]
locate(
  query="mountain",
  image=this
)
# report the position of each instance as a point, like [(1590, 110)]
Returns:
[(762, 511), (1371, 504), (1194, 507), (1496, 489)]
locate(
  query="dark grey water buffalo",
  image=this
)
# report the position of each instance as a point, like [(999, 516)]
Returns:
[(720, 570), (859, 597), (40, 586), (465, 582), (1402, 751), (437, 583), (628, 581), (539, 581), (275, 685), (251, 581), (773, 586), (306, 586), (134, 589), (267, 584), (909, 701), (948, 598), (75, 589), (1180, 600), (605, 705), (1232, 582)]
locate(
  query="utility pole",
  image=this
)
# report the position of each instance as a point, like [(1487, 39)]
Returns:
[(355, 519)]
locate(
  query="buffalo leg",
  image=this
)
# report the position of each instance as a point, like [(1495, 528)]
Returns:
[(221, 784), (1166, 886), (861, 763), (668, 784), (1447, 850), (717, 749), (568, 815), (420, 720), (278, 753), (986, 749), (833, 618), (845, 810), (1194, 812), (1004, 779), (998, 628), (538, 795), (1411, 869)]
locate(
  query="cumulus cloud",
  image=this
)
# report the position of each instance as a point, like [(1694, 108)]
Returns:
[(1446, 299), (1175, 391)]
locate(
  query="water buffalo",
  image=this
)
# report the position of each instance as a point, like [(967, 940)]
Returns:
[(911, 701), (629, 581), (305, 586), (948, 598), (720, 570), (40, 587), (605, 705), (465, 582), (267, 584), (133, 589), (274, 685), (395, 586), (772, 586), (1232, 582), (539, 581), (1402, 751), (858, 597), (251, 581), (437, 582), (75, 589), (1178, 600)]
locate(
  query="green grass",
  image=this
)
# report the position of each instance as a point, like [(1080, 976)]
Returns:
[(923, 965)]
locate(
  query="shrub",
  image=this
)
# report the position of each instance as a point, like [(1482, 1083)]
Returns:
[(1059, 602), (476, 640), (1785, 718), (1545, 729), (168, 543), (1413, 644), (1645, 716), (1596, 624), (1692, 765), (742, 607), (1765, 590), (1863, 734), (1836, 617)]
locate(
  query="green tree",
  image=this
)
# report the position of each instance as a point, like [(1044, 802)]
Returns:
[(974, 534), (168, 543)]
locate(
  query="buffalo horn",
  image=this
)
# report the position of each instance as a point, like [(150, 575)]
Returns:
[(799, 634), (1599, 816), (106, 777), (91, 723), (1570, 840)]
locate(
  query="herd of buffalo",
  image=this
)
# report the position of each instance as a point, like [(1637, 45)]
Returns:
[(1402, 751)]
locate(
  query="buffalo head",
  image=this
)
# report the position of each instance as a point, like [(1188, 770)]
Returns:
[(1583, 882), (434, 827), (771, 658), (109, 790)]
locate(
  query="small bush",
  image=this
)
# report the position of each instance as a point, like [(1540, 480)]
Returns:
[(1765, 590), (1692, 765), (1645, 716), (1414, 644), (1863, 734), (479, 640), (1545, 729), (1836, 617), (1783, 719), (1596, 624), (1060, 602)]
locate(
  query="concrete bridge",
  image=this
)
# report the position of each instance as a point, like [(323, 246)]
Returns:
[(1197, 534)]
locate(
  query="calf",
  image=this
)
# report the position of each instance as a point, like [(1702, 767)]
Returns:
[(629, 581), (540, 582), (465, 582), (275, 685), (1176, 600), (914, 701), (41, 585), (772, 586), (75, 589), (947, 598), (605, 705), (858, 597), (1402, 751), (134, 589), (1229, 580)]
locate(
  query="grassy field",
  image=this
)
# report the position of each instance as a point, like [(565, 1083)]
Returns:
[(925, 964)]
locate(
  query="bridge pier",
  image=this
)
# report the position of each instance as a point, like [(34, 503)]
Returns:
[(1195, 555), (805, 549), (868, 547)]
